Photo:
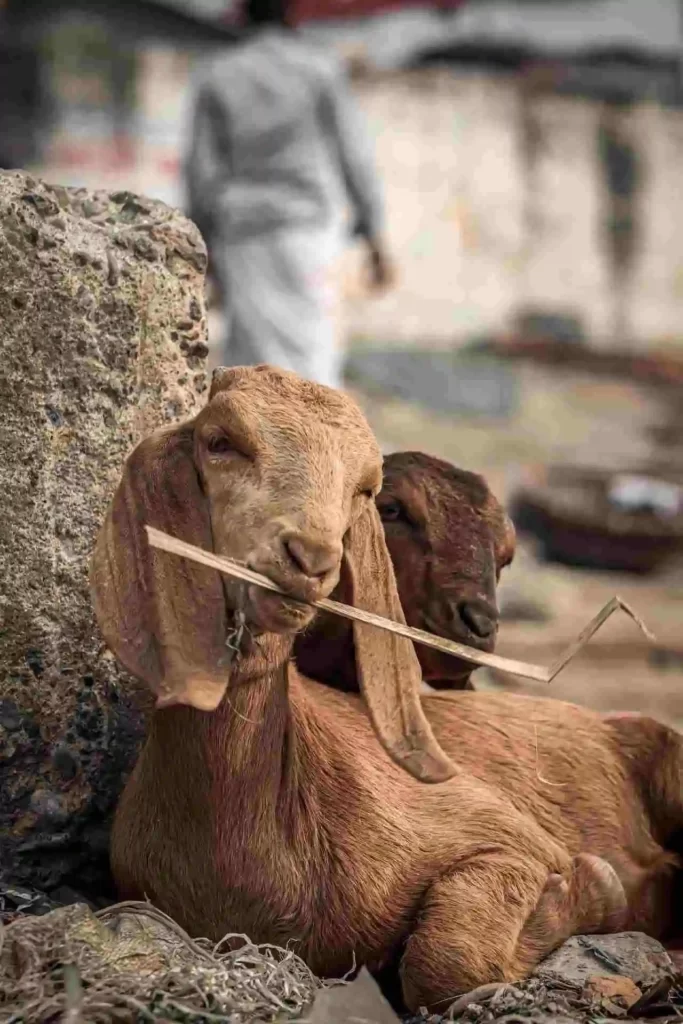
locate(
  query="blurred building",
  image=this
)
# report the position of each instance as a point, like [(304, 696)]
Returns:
[(530, 150), (108, 86)]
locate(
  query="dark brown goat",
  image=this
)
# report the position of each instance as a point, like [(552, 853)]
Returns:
[(449, 539), (263, 803)]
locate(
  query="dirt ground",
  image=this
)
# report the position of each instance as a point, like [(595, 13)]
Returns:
[(560, 417)]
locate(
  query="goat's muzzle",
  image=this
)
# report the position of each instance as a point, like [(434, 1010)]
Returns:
[(305, 568), (472, 621)]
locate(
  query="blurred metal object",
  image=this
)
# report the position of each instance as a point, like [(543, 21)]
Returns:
[(442, 381), (656, 368), (629, 522), (564, 328)]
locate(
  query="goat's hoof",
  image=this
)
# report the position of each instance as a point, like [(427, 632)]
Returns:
[(556, 884), (587, 898), (601, 887)]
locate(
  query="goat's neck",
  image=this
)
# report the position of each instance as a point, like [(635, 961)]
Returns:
[(242, 750), (249, 733)]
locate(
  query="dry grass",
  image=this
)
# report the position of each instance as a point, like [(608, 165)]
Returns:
[(130, 962)]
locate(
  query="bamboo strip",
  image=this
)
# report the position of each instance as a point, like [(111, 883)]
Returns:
[(526, 670)]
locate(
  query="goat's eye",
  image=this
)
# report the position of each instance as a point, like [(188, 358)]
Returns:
[(219, 445), (391, 511)]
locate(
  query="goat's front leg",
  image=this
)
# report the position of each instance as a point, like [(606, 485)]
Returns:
[(497, 916)]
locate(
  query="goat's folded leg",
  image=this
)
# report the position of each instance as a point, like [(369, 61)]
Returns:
[(497, 916)]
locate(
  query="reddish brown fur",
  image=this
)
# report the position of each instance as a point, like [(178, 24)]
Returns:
[(449, 539), (280, 815)]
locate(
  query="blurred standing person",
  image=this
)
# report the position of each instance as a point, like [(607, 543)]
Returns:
[(276, 147)]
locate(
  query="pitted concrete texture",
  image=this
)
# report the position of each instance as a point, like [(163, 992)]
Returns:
[(102, 339)]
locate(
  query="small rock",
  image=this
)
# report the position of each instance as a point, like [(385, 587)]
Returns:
[(10, 716), (61, 195), (91, 208), (614, 992), (16, 899), (131, 205), (361, 1000), (48, 806), (627, 954), (45, 205)]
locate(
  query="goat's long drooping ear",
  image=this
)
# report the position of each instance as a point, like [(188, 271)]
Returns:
[(388, 670), (164, 617)]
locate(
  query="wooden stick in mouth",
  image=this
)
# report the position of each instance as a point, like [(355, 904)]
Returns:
[(526, 670)]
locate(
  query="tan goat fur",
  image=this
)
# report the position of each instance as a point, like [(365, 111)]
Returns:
[(279, 814)]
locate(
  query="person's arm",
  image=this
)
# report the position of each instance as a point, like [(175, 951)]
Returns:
[(351, 144)]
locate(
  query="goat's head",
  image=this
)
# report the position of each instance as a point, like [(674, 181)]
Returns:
[(449, 539), (282, 474)]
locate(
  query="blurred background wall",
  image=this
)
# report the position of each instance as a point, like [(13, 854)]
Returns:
[(511, 137)]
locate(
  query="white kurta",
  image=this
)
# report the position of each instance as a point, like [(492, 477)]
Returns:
[(277, 146)]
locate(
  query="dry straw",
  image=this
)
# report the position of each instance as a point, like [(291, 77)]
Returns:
[(539, 673), (130, 962)]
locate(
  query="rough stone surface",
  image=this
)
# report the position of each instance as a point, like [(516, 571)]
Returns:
[(358, 1002), (591, 978), (102, 338), (629, 954)]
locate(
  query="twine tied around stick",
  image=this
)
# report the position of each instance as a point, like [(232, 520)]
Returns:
[(539, 673)]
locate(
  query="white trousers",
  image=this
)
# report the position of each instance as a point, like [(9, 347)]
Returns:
[(279, 298)]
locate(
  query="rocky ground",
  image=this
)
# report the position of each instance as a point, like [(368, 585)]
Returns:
[(132, 963)]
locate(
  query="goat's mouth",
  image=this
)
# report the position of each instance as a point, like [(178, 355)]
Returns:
[(274, 613)]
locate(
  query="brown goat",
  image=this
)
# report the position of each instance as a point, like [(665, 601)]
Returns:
[(279, 814), (449, 539)]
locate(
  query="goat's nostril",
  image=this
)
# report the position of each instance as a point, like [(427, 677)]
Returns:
[(313, 558), (479, 619)]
